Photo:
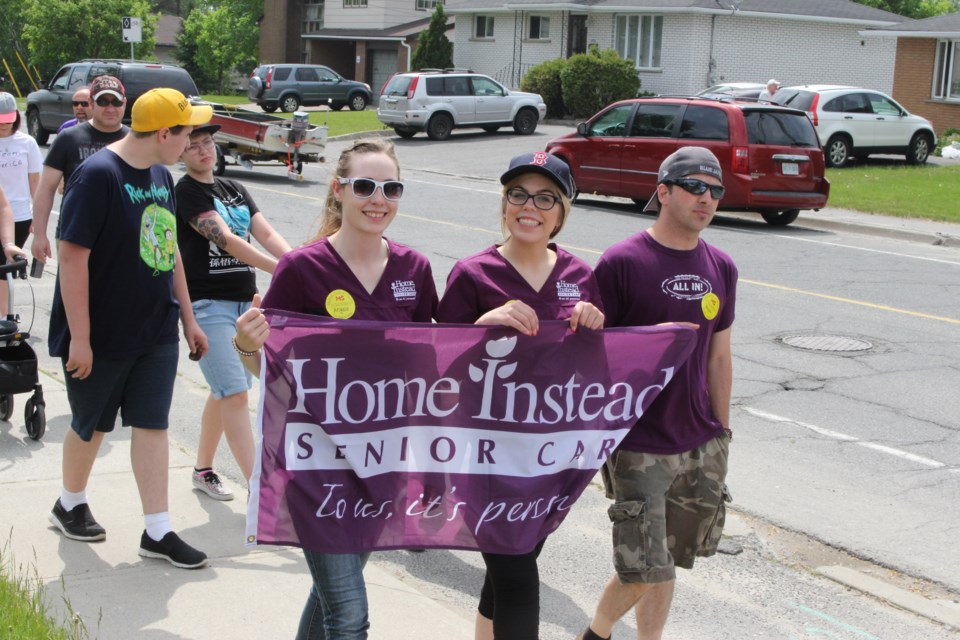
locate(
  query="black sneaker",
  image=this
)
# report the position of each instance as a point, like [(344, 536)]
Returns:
[(76, 524), (172, 548)]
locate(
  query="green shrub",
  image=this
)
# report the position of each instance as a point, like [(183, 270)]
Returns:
[(545, 80), (593, 80)]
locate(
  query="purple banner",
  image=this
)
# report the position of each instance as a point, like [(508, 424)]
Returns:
[(380, 435)]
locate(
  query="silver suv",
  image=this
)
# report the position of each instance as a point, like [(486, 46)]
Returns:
[(440, 101), (288, 86), (855, 123)]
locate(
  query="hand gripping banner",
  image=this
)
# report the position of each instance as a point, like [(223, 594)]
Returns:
[(380, 435)]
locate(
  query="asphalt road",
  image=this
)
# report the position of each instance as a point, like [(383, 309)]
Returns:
[(840, 457)]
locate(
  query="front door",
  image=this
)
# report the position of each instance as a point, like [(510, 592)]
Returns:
[(577, 35)]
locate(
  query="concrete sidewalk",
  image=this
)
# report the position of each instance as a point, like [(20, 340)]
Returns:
[(242, 593)]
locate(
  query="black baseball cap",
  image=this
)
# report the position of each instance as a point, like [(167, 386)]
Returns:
[(684, 162)]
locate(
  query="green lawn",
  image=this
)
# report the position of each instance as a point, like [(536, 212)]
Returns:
[(926, 191), (339, 122)]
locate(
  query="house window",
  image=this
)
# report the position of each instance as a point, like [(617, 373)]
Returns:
[(354, 3), (426, 5), (539, 28), (639, 38), (946, 79), (312, 16), (484, 27)]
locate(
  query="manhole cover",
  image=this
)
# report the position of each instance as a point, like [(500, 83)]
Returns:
[(827, 343)]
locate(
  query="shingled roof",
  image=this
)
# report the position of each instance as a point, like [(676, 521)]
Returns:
[(945, 26)]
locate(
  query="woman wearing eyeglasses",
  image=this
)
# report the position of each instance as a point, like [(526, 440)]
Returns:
[(516, 283), (216, 218), (346, 271)]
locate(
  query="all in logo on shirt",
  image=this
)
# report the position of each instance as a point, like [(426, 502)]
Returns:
[(404, 290), (686, 287), (568, 290)]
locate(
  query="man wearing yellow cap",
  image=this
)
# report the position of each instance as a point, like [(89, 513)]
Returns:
[(120, 288)]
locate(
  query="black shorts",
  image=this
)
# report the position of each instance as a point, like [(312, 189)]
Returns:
[(21, 231), (140, 388)]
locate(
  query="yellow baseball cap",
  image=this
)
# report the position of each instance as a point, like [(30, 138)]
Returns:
[(163, 108)]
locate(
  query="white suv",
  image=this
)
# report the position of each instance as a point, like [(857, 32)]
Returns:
[(440, 101), (854, 123)]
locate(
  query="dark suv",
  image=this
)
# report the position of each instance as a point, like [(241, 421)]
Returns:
[(287, 86), (771, 157), (51, 106)]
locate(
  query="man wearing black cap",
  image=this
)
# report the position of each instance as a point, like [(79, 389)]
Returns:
[(105, 126), (667, 477), (215, 219)]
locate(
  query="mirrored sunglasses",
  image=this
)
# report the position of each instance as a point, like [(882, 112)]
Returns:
[(365, 187), (107, 101), (699, 187)]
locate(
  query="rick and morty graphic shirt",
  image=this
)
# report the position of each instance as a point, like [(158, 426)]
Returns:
[(125, 218)]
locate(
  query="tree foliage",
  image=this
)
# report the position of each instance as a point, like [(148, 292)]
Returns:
[(591, 81), (60, 31), (434, 50), (218, 38), (913, 8), (544, 79)]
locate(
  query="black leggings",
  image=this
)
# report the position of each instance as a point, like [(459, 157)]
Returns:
[(511, 594)]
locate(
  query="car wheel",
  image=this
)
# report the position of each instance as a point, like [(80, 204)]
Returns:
[(405, 133), (919, 149), (525, 122), (440, 126), (269, 108), (492, 128), (358, 102), (36, 129), (780, 218), (838, 151), (255, 87), (289, 103)]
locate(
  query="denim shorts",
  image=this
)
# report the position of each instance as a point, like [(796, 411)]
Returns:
[(221, 366), (139, 387), (667, 510)]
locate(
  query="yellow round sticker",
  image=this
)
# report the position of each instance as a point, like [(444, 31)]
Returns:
[(340, 304), (710, 304)]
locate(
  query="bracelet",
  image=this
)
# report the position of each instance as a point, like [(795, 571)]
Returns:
[(245, 354), (9, 244)]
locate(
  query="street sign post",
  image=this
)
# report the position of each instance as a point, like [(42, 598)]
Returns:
[(131, 32)]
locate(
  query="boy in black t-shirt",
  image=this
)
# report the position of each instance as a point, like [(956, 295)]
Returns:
[(215, 219)]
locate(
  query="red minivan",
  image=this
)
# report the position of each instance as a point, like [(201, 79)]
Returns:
[(771, 157)]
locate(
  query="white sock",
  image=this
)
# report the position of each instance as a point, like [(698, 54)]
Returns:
[(157, 525), (69, 499)]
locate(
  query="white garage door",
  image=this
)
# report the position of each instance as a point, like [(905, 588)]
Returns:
[(384, 65)]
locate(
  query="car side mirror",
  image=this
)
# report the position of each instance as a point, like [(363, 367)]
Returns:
[(583, 130)]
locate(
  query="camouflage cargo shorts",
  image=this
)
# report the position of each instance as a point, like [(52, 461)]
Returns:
[(667, 510)]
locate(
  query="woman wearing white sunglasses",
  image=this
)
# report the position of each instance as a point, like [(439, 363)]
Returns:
[(346, 272)]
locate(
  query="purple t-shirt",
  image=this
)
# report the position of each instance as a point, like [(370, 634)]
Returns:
[(644, 283), (487, 280), (315, 279)]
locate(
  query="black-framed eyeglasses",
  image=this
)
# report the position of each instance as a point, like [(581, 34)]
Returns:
[(699, 187), (107, 101), (366, 187), (81, 103), (543, 201)]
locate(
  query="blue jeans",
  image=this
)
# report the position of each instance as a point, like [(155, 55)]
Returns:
[(336, 608)]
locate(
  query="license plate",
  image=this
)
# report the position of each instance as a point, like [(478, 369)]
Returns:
[(790, 168)]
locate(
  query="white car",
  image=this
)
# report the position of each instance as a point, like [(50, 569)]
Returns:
[(854, 123), (440, 101)]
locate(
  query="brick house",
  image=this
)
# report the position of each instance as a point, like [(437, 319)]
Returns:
[(926, 77), (682, 46), (361, 40)]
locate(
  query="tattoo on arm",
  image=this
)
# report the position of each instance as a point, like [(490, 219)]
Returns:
[(209, 228)]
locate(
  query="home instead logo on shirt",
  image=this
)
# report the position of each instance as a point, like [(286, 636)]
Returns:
[(404, 290), (568, 290)]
